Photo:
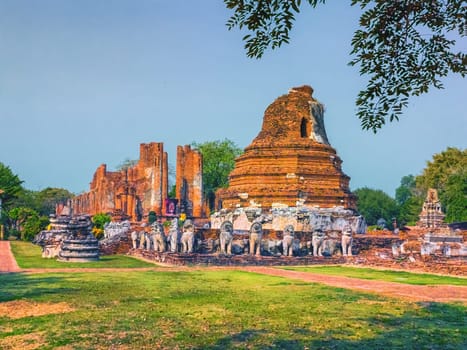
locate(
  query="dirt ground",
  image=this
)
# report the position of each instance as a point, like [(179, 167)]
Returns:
[(439, 293)]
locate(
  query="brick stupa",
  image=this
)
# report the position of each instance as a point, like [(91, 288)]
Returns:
[(290, 162)]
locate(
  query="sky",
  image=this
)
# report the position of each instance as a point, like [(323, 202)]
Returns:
[(85, 82)]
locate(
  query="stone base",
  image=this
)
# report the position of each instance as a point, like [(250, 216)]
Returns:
[(80, 260), (235, 260)]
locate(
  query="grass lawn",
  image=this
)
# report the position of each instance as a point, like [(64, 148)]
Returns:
[(28, 256), (213, 310), (383, 275)]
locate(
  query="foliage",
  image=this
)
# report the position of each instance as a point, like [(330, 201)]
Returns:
[(409, 200), (100, 219), (126, 164), (43, 201), (28, 256), (27, 222), (152, 217), (172, 192), (383, 275), (455, 198), (218, 310), (97, 232), (403, 47), (406, 189), (375, 204), (10, 184), (409, 211), (49, 197), (441, 167), (218, 162)]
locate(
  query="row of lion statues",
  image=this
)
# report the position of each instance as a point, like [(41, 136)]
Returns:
[(182, 241)]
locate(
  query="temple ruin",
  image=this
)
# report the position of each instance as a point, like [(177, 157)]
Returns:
[(133, 192), (189, 183), (290, 162)]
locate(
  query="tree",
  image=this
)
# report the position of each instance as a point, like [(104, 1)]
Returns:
[(126, 164), (404, 47), (406, 189), (375, 204), (49, 197), (27, 222), (218, 162), (455, 198), (438, 171), (43, 201), (410, 200), (10, 184)]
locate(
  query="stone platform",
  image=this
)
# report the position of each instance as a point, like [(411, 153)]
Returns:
[(235, 260)]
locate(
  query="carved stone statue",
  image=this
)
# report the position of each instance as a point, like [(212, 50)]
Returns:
[(188, 237), (158, 237), (134, 239), (256, 234), (147, 239), (174, 235), (347, 241), (287, 240), (142, 239), (317, 241), (226, 237)]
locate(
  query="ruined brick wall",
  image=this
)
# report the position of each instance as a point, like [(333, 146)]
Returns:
[(132, 192), (189, 181), (290, 160)]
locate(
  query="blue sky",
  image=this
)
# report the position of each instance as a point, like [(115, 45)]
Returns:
[(85, 82)]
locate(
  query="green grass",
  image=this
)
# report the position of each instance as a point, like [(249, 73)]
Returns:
[(383, 275), (220, 310), (28, 256)]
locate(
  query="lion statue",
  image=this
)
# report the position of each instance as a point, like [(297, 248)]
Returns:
[(159, 240), (287, 240), (256, 234), (317, 241), (188, 236), (173, 237), (346, 241), (226, 237)]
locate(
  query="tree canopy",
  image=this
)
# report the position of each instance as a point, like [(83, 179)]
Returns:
[(126, 164), (403, 47), (375, 205), (410, 200), (218, 162), (10, 184)]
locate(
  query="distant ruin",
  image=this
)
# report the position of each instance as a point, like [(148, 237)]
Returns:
[(431, 215)]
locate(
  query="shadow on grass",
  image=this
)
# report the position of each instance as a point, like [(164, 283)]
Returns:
[(434, 326), (16, 286)]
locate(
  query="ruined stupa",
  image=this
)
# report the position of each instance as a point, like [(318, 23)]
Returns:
[(431, 215), (290, 162)]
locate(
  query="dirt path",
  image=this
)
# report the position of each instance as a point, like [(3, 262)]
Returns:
[(7, 261), (439, 293)]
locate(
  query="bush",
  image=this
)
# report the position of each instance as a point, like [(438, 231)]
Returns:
[(152, 217)]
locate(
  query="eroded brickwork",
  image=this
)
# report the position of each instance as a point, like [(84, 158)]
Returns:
[(290, 162), (189, 181), (129, 193)]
